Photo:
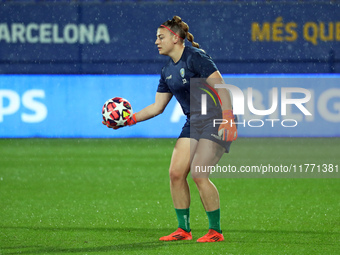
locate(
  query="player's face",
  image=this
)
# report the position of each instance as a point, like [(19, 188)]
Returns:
[(164, 41)]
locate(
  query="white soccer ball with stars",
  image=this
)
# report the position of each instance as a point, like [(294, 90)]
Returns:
[(116, 111)]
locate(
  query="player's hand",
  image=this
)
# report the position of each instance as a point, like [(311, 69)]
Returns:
[(132, 120), (227, 130)]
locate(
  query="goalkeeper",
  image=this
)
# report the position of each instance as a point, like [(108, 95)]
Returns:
[(199, 144)]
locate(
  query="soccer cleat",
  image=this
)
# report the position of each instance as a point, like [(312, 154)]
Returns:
[(179, 234), (212, 236)]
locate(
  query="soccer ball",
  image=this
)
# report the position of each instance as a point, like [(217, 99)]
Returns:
[(116, 111)]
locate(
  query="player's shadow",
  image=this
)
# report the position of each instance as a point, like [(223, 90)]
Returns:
[(139, 246), (231, 235), (132, 246)]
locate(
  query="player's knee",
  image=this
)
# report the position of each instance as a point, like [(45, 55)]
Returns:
[(199, 181), (176, 175)]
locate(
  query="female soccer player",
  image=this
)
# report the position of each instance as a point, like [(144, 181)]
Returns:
[(199, 144)]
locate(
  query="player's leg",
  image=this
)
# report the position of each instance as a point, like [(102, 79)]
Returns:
[(208, 153), (178, 171)]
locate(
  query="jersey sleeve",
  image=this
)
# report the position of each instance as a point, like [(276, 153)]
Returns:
[(203, 64), (162, 86)]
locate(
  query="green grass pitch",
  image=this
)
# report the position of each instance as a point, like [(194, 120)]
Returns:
[(111, 196)]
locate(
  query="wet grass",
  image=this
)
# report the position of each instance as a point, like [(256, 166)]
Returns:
[(111, 196)]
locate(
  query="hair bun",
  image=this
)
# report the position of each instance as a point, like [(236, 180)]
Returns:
[(177, 19)]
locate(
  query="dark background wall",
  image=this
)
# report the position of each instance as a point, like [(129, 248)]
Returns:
[(117, 37)]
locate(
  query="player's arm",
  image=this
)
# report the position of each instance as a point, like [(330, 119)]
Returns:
[(227, 130), (161, 101), (216, 78)]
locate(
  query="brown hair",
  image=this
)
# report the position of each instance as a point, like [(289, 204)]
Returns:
[(181, 28)]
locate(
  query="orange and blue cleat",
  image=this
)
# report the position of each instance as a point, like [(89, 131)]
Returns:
[(179, 234), (212, 236)]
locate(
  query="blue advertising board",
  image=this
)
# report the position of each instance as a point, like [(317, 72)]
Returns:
[(66, 106), (70, 106), (118, 38)]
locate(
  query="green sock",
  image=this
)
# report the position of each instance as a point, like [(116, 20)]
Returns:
[(215, 220), (183, 219)]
